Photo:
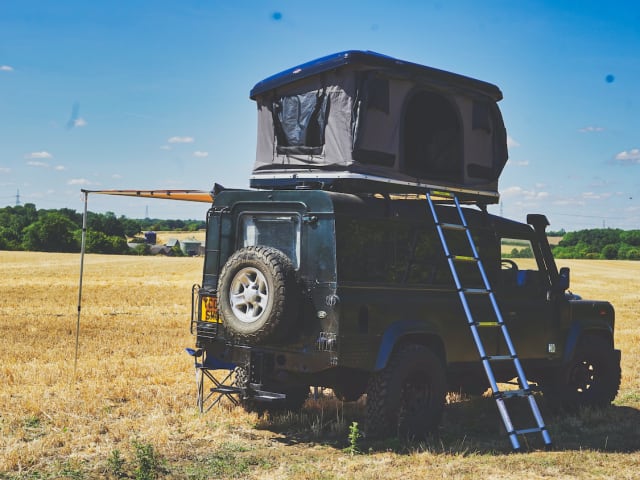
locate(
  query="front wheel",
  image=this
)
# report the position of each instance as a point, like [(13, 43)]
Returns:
[(590, 379), (406, 399)]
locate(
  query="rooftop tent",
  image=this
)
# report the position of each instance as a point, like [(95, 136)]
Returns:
[(362, 120)]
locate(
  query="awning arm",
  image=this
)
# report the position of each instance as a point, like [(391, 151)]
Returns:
[(184, 195)]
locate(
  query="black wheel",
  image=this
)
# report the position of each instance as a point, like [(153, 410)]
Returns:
[(407, 397), (590, 379), (258, 294), (348, 392)]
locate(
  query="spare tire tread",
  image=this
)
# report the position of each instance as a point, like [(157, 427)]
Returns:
[(283, 296)]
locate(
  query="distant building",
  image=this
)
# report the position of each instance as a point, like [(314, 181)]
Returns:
[(190, 246), (161, 250)]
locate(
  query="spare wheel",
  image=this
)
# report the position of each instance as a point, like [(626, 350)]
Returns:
[(258, 294)]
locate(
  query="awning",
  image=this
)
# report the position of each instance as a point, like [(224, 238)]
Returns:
[(185, 195)]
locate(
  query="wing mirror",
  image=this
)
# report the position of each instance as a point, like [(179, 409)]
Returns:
[(563, 279)]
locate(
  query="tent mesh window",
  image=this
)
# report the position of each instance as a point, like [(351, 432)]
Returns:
[(300, 122), (432, 138)]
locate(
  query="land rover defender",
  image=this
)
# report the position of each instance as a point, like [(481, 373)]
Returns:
[(330, 271)]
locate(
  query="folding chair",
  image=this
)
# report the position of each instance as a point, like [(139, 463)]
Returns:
[(205, 366)]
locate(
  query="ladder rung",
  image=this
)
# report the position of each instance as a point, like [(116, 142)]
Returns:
[(476, 291), (500, 357), (529, 430), (440, 193), (453, 226), (512, 393), (487, 324), (464, 258)]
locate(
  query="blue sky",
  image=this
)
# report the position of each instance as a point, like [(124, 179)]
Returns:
[(154, 94)]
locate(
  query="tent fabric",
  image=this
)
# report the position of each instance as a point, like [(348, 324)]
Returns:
[(375, 116)]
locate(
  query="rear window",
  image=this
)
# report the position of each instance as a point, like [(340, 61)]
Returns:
[(272, 230)]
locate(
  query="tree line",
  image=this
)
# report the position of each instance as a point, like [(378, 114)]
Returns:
[(24, 227), (600, 243)]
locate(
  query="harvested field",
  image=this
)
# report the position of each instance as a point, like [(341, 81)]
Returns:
[(128, 410)]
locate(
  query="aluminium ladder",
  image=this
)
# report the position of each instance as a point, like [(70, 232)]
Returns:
[(499, 395)]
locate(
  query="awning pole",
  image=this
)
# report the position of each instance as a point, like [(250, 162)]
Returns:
[(82, 248)]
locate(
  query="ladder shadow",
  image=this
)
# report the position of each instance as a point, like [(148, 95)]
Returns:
[(475, 426)]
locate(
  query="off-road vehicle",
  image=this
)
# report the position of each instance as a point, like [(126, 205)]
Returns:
[(332, 270)]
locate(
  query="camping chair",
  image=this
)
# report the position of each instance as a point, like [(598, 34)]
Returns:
[(205, 366)]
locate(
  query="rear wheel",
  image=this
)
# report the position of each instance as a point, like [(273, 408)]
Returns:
[(349, 392), (406, 399), (590, 379)]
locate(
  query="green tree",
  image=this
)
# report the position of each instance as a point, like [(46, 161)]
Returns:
[(610, 252), (98, 242), (53, 232)]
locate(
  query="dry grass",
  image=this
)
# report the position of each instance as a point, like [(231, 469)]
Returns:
[(164, 237), (134, 386)]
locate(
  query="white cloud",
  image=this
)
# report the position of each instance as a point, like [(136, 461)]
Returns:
[(5, 170), (590, 129), (79, 181), (524, 194), (42, 154), (631, 156), (569, 202), (116, 176), (165, 147), (6, 68), (519, 163), (36, 163), (59, 168), (80, 122), (596, 196), (181, 140), (511, 142), (200, 154)]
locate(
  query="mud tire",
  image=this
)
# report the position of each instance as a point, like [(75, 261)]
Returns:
[(258, 295), (590, 379), (406, 399)]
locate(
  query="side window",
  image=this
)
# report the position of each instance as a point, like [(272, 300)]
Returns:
[(273, 230), (299, 122), (390, 251), (519, 268), (373, 251), (427, 265)]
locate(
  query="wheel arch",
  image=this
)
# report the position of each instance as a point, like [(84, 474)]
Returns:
[(578, 330), (409, 332)]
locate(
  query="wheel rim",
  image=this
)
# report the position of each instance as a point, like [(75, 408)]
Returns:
[(582, 376), (249, 295)]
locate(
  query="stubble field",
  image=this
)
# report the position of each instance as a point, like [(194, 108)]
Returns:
[(128, 409)]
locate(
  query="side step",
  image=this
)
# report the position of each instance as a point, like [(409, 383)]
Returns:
[(253, 392)]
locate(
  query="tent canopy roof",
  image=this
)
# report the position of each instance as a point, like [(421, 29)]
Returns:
[(368, 59)]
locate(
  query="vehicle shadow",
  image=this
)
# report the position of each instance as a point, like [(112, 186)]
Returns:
[(469, 426)]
